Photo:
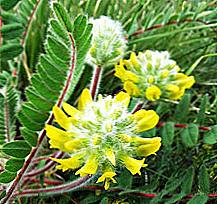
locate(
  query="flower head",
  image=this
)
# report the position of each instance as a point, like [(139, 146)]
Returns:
[(108, 43), (101, 135), (153, 75)]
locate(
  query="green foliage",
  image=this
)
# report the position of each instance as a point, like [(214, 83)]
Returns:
[(9, 102), (168, 133), (211, 136), (204, 179), (200, 198), (16, 26), (190, 135), (57, 74)]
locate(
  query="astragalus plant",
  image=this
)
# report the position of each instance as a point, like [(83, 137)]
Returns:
[(108, 101)]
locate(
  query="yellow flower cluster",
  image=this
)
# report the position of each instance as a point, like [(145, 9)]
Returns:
[(152, 75), (102, 135)]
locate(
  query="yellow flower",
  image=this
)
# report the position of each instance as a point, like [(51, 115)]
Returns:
[(131, 88), (107, 177), (153, 75), (111, 156), (145, 120), (96, 134), (90, 167), (71, 163), (125, 75), (85, 99), (133, 165), (149, 147), (153, 93)]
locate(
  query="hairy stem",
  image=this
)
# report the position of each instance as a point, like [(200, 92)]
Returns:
[(141, 31), (70, 186), (95, 81), (48, 166)]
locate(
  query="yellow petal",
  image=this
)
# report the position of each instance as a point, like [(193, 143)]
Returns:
[(107, 174), (84, 99), (61, 118), (148, 149), (75, 144), (71, 163), (120, 72), (153, 93), (133, 165), (110, 156), (149, 120), (107, 177), (177, 95), (58, 134), (134, 60), (165, 73), (125, 138), (150, 79), (58, 137), (70, 110), (123, 98), (142, 141), (124, 74), (186, 83), (90, 166), (173, 89), (131, 88)]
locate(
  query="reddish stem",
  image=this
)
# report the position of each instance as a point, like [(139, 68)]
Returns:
[(161, 124), (61, 188), (141, 31), (49, 165), (56, 189), (35, 150), (29, 22), (46, 181), (95, 81), (137, 107)]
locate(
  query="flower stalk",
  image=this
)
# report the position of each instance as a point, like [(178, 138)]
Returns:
[(95, 81)]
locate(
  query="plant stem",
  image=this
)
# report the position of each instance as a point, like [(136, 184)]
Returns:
[(49, 165), (72, 186), (160, 124), (56, 189), (141, 31), (137, 107), (95, 81)]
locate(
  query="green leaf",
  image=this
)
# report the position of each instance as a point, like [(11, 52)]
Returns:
[(175, 198), (182, 108), (125, 179), (210, 137), (203, 105), (6, 177), (12, 31), (188, 180), (13, 165), (204, 179), (62, 16), (190, 135), (9, 103), (168, 133), (8, 4), (198, 199), (10, 51), (17, 149), (30, 137)]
